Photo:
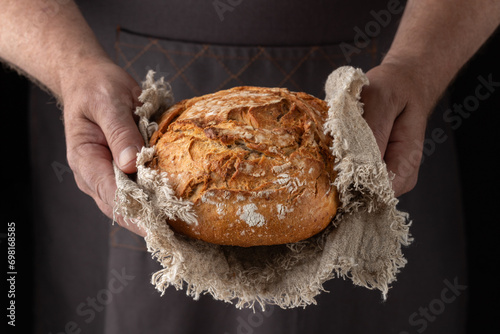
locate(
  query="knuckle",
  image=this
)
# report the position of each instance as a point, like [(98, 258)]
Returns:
[(81, 185), (100, 191), (105, 208), (76, 154), (117, 133), (406, 173), (381, 135), (88, 180), (415, 158), (72, 160), (411, 183), (409, 165), (97, 183)]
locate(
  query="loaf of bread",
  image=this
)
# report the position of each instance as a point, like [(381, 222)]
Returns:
[(254, 162)]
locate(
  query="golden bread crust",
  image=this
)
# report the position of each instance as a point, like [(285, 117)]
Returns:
[(255, 163)]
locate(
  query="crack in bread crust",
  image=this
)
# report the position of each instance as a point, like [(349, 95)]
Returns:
[(255, 163)]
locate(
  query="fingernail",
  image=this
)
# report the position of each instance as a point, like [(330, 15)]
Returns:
[(127, 156)]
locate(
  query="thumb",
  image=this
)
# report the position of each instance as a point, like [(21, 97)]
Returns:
[(123, 137)]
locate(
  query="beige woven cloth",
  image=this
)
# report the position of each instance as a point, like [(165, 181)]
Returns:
[(364, 243)]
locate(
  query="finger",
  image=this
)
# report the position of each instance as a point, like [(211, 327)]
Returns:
[(97, 179), (122, 136), (404, 165), (380, 109), (99, 183), (129, 225), (90, 159), (404, 150), (112, 110)]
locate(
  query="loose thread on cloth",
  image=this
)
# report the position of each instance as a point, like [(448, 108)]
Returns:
[(363, 243)]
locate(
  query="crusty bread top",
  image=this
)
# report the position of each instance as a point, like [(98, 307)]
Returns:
[(254, 161)]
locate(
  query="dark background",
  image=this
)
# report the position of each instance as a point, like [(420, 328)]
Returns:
[(477, 144), (478, 141)]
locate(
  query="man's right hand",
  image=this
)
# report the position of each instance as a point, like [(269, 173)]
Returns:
[(54, 45), (100, 127)]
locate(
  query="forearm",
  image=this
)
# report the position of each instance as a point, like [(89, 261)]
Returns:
[(48, 40), (437, 37)]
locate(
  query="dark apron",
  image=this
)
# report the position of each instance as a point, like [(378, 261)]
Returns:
[(102, 284)]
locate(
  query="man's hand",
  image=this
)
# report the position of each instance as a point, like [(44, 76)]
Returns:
[(434, 40), (60, 51), (396, 107), (100, 127)]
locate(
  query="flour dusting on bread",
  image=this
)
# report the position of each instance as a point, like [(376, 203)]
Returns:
[(253, 161)]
